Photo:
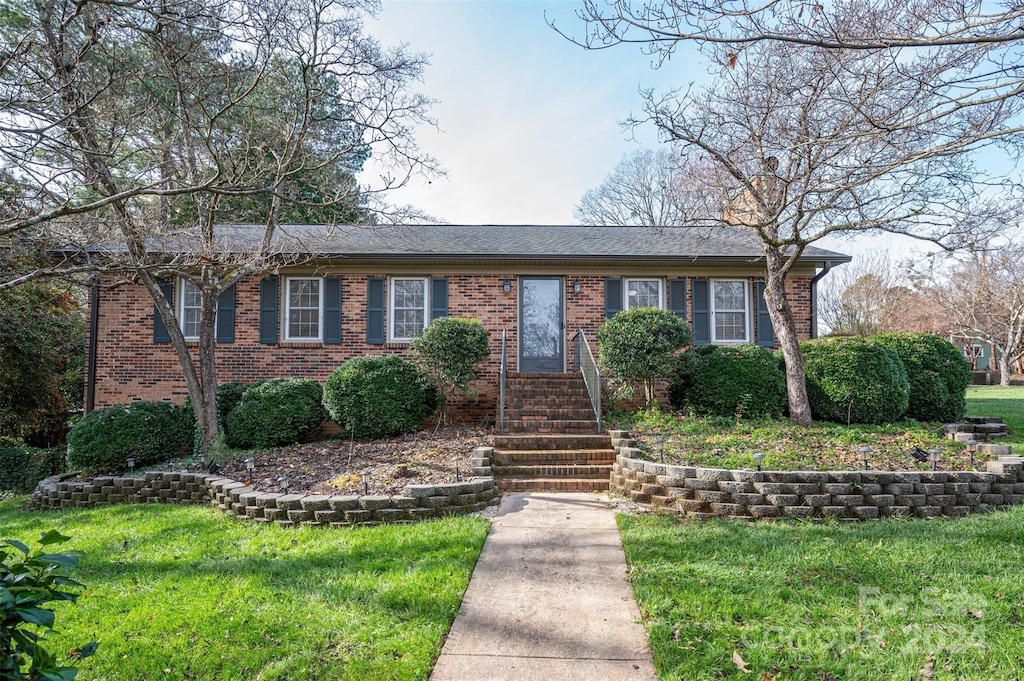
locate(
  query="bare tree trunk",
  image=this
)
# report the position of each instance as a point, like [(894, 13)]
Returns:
[(206, 409), (1005, 367), (785, 332)]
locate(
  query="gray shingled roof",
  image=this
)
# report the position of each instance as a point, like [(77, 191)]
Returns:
[(517, 242)]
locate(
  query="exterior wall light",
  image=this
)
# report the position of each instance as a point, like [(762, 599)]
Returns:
[(576, 286), (506, 285)]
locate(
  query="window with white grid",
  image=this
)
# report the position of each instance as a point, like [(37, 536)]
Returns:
[(188, 314), (729, 311), (643, 293), (408, 308), (304, 309)]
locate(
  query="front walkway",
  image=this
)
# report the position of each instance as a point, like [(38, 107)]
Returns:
[(548, 598)]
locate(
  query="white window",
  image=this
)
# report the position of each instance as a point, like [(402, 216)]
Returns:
[(303, 309), (729, 311), (408, 308), (643, 293), (188, 313)]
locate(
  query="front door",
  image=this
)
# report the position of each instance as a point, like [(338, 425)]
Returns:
[(541, 325)]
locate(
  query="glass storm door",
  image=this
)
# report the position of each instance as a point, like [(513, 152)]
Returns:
[(541, 325)]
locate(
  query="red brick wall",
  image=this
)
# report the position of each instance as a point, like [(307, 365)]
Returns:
[(131, 367)]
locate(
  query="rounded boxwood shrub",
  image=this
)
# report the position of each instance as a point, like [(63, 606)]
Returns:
[(149, 431), (639, 344), (378, 396), (728, 380), (854, 380), (937, 371), (280, 411)]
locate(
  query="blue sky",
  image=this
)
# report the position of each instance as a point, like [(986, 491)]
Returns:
[(528, 121)]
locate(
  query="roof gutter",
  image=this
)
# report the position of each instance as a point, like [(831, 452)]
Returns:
[(814, 296)]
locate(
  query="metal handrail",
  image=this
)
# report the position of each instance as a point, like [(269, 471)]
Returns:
[(591, 373), (501, 382)]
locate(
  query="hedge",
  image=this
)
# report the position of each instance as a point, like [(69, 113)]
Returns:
[(854, 380), (150, 432), (378, 396), (273, 413), (728, 380), (937, 371)]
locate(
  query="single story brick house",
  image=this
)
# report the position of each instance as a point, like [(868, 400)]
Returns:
[(370, 290)]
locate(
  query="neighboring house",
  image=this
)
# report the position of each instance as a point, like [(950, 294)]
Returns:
[(371, 290)]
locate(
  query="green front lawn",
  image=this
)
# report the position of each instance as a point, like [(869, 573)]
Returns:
[(879, 600), (185, 593), (1006, 403)]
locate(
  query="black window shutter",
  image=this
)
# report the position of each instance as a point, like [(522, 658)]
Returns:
[(375, 310), (438, 297), (160, 332), (612, 297), (701, 312), (226, 315), (677, 297), (332, 310), (765, 330), (269, 301)]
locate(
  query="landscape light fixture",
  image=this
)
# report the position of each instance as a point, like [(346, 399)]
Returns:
[(131, 464), (972, 449), (214, 468), (758, 458), (202, 460), (661, 448), (366, 482), (250, 467), (576, 286), (865, 454), (934, 456), (457, 459), (506, 285), (284, 482), (919, 454)]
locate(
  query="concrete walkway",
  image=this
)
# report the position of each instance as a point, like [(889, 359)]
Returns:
[(548, 598)]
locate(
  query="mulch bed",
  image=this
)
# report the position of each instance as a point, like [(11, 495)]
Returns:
[(329, 467)]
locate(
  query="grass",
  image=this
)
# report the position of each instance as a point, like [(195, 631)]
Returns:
[(729, 443), (184, 593), (1006, 403), (795, 601)]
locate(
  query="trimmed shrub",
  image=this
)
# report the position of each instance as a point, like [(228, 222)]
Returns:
[(149, 431), (639, 344), (451, 350), (854, 380), (937, 371), (378, 396), (728, 380), (281, 411), (21, 468)]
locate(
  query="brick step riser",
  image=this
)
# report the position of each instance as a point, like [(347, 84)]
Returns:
[(548, 485), (543, 428), (523, 442), (553, 415), (538, 398), (554, 456), (541, 409), (576, 472)]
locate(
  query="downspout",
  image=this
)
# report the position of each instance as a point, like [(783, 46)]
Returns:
[(814, 297), (94, 323)]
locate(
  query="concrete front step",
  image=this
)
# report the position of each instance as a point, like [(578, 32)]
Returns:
[(574, 471), (532, 441), (507, 484), (511, 457)]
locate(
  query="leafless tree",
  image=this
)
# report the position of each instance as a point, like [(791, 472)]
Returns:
[(647, 187), (982, 294), (865, 297), (807, 141), (131, 128)]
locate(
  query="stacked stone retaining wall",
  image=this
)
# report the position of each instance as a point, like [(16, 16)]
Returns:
[(235, 498), (845, 495)]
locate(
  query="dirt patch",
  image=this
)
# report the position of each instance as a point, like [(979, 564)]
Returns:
[(329, 467)]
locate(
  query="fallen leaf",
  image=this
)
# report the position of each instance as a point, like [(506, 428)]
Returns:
[(738, 661)]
